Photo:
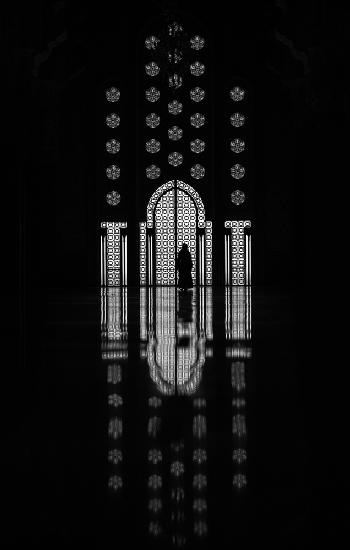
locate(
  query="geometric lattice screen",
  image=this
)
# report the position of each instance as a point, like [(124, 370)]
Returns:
[(114, 268), (175, 215), (167, 230), (237, 253)]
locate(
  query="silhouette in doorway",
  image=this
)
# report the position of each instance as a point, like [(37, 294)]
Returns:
[(184, 266)]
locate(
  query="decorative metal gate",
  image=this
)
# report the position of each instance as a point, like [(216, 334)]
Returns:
[(175, 221), (175, 215)]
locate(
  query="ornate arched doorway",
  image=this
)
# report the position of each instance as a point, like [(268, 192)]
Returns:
[(175, 215)]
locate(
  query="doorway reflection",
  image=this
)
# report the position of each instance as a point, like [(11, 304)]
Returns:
[(174, 329), (180, 430)]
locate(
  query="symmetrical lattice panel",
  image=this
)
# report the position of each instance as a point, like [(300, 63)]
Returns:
[(113, 252), (238, 251), (143, 254), (165, 233), (208, 253), (181, 185), (175, 214)]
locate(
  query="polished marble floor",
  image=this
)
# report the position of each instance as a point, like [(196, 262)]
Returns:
[(164, 419)]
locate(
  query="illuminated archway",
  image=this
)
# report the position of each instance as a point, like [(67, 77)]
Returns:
[(175, 214)]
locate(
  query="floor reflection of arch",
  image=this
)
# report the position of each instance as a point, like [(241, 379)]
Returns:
[(175, 329), (175, 215)]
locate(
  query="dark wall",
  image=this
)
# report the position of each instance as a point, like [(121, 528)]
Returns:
[(296, 59), (58, 53)]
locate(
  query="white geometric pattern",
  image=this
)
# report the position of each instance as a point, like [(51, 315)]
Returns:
[(238, 252), (113, 251)]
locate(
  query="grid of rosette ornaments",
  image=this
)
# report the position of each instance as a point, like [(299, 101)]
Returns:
[(237, 144), (113, 145), (175, 133), (169, 60), (168, 73)]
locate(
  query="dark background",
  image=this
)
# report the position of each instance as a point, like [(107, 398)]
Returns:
[(295, 57), (57, 56)]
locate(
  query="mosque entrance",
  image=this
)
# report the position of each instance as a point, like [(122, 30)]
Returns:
[(175, 215)]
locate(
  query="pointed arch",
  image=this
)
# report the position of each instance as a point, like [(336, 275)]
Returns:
[(158, 253), (180, 185)]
